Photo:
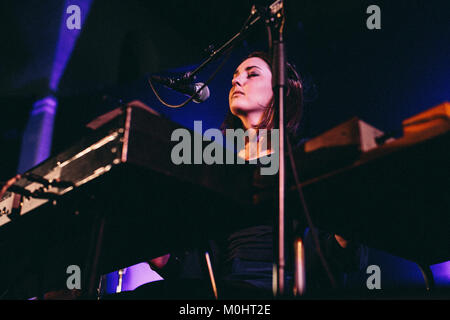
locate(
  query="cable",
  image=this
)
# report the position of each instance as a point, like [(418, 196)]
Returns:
[(199, 90), (308, 216), (228, 53)]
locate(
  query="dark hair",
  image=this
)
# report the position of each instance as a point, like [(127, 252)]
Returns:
[(293, 106)]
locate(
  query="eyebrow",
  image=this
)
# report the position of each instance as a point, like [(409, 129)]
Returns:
[(246, 69)]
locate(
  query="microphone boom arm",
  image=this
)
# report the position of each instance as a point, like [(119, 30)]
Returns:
[(254, 17)]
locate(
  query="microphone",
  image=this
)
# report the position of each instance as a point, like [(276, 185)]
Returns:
[(185, 88)]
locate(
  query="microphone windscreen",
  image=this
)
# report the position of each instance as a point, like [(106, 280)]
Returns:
[(203, 95)]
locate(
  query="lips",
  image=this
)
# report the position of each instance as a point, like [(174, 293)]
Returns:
[(237, 93)]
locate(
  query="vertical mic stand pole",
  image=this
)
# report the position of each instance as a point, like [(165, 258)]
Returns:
[(279, 89), (278, 51)]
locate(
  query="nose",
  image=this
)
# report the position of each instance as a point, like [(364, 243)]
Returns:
[(238, 80)]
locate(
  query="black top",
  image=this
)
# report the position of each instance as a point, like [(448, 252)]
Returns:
[(254, 240), (253, 244)]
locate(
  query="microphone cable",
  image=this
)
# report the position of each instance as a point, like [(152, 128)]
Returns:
[(228, 54), (199, 90), (308, 216)]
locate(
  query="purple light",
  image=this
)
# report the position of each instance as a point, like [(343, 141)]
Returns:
[(67, 40), (46, 108), (133, 277), (37, 138), (46, 105), (441, 273), (138, 275)]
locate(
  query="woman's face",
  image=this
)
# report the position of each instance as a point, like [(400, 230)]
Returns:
[(251, 89)]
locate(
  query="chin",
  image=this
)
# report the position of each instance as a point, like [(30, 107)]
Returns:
[(239, 110)]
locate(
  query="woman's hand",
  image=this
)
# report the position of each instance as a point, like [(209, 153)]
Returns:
[(159, 262), (8, 184), (342, 242)]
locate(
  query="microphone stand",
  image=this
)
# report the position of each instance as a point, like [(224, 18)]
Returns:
[(189, 77), (214, 54), (274, 19)]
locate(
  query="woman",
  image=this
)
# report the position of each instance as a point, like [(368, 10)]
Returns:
[(251, 102), (244, 260)]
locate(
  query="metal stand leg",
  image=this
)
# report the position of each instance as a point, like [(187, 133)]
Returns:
[(211, 275), (93, 276), (300, 278), (427, 276)]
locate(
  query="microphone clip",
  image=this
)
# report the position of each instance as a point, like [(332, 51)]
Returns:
[(186, 78)]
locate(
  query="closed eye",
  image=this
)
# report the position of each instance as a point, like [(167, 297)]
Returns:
[(250, 75)]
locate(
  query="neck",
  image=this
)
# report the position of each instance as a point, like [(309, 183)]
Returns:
[(251, 119)]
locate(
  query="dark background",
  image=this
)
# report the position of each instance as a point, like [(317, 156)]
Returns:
[(382, 76)]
